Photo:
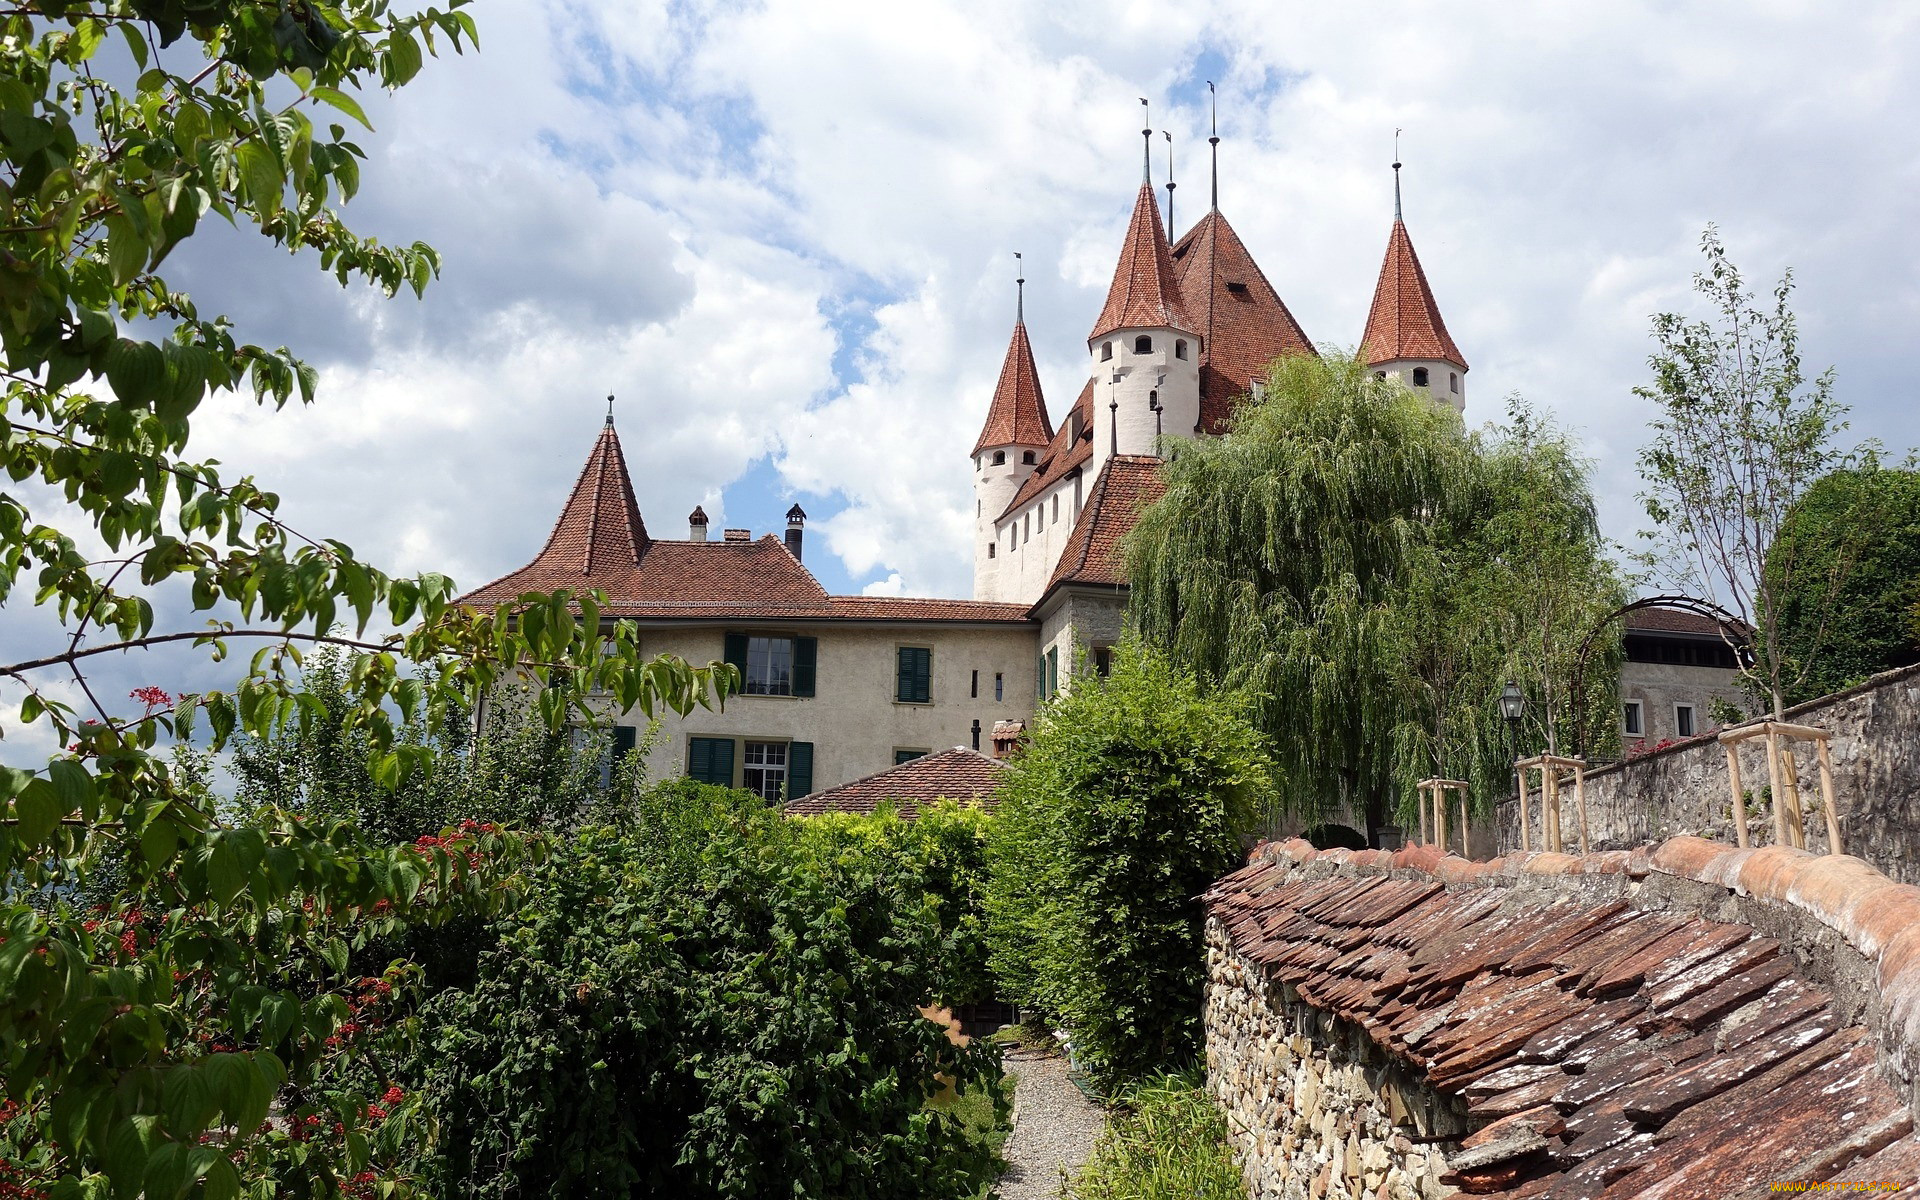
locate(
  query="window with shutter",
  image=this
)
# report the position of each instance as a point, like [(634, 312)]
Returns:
[(799, 769), (806, 653), (624, 739), (915, 682), (710, 760), (907, 756), (1053, 671)]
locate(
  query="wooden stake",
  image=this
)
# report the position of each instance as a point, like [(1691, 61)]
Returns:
[(1439, 820), (1826, 798), (1550, 796), (1421, 791), (1739, 796), (1796, 819), (1466, 825), (1526, 801), (1580, 803), (1773, 777)]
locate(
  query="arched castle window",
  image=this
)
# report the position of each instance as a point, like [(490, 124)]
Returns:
[(1419, 377), (1026, 456), (999, 458), (1143, 345), (1106, 351), (1180, 348), (1453, 380)]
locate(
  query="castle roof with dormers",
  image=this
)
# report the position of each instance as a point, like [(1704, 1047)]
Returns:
[(1242, 322)]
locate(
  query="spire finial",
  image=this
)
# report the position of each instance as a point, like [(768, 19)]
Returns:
[(1396, 175), (1170, 183), (609, 408), (1214, 142), (1146, 148), (1020, 284)]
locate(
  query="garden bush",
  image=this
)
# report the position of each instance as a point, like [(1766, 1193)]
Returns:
[(702, 1004), (940, 856), (1165, 1141), (1135, 793)]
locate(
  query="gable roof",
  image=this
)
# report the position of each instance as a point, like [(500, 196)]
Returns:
[(957, 774), (1405, 321), (1018, 414), (1243, 323), (1127, 484), (1144, 293)]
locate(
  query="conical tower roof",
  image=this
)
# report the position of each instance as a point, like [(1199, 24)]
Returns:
[(1018, 414), (1144, 293), (1405, 321), (1243, 323), (600, 528)]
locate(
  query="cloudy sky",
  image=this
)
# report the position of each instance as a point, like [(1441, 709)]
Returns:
[(782, 234)]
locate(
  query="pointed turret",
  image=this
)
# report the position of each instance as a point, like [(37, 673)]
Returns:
[(1018, 414), (600, 528), (1406, 335), (1144, 294)]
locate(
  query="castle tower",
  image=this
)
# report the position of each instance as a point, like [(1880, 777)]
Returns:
[(1405, 335), (1015, 434), (1145, 348)]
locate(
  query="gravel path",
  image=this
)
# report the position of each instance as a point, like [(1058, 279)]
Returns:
[(1054, 1127)]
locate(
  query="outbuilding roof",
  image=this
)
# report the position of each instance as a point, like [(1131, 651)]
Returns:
[(957, 774)]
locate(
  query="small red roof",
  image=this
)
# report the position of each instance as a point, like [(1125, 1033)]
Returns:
[(1404, 321), (1144, 293), (957, 774), (1243, 323), (1064, 455), (1018, 414), (1127, 484)]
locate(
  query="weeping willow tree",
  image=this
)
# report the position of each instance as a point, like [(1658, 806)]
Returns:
[(1365, 571)]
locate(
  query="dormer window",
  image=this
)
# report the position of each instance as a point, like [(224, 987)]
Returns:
[(1238, 289), (1420, 377), (1106, 351), (999, 458), (1180, 348), (1143, 345), (1026, 457)]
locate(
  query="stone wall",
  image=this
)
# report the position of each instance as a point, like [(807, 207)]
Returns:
[(1315, 1109), (1683, 789)]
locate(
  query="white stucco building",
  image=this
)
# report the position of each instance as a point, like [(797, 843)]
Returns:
[(839, 687)]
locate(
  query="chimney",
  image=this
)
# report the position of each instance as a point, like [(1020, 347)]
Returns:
[(697, 524), (738, 535), (796, 517)]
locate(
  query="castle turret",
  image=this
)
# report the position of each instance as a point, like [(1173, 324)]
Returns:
[(1015, 434), (1405, 335), (1145, 348)]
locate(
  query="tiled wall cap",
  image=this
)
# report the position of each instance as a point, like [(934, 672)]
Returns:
[(1845, 892), (1687, 857), (1771, 871), (1547, 862)]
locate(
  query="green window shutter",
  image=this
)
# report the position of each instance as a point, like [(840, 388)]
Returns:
[(1053, 671), (710, 760), (1040, 676), (915, 675), (799, 769), (624, 739), (806, 652), (737, 653)]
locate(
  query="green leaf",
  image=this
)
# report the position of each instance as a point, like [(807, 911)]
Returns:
[(72, 785), (345, 103), (127, 249), (265, 183), (226, 876), (39, 809), (137, 372)]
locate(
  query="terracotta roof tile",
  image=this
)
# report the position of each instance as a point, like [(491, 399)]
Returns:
[(1670, 620), (1644, 1052), (1405, 321), (599, 542), (1064, 454), (1144, 293), (1243, 323), (1018, 414), (957, 774), (1126, 485)]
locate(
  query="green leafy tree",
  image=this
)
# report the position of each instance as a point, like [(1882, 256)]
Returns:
[(143, 1045), (703, 1005), (1739, 434), (1134, 794), (1369, 574), (1848, 610)]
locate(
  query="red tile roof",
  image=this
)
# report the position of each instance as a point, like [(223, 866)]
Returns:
[(957, 774), (1243, 323), (1018, 414), (599, 542), (1670, 620), (1596, 1046), (1404, 321), (1126, 485), (1144, 293), (1064, 455)]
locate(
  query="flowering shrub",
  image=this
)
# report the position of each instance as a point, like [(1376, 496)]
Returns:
[(701, 1006)]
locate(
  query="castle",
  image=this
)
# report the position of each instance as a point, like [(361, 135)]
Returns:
[(838, 688)]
